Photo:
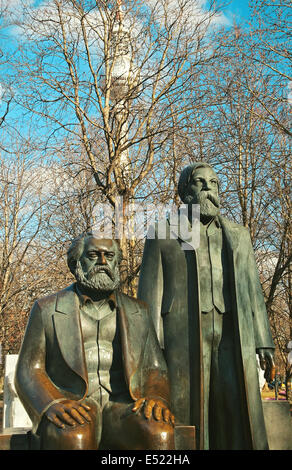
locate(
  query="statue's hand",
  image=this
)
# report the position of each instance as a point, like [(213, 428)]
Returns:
[(68, 412), (266, 358), (154, 407)]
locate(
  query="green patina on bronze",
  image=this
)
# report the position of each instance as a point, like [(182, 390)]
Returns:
[(90, 372), (209, 313)]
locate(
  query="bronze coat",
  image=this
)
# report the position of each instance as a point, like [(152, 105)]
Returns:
[(169, 283), (51, 363)]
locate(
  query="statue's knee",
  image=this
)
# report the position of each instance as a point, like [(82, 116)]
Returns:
[(78, 437), (125, 430), (158, 435)]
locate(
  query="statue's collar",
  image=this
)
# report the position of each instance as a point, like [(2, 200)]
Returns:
[(187, 233), (85, 298)]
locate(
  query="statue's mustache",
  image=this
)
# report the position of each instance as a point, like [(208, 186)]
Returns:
[(101, 270), (214, 199)]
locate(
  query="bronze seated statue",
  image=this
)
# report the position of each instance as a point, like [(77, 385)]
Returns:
[(90, 373)]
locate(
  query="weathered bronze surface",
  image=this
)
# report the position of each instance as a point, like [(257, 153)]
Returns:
[(91, 374), (209, 313)]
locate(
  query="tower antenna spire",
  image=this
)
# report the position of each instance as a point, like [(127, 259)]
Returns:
[(119, 14)]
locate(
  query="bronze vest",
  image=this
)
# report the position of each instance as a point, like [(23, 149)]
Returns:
[(102, 351), (213, 269)]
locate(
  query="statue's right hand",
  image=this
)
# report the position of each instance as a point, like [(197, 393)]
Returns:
[(68, 412)]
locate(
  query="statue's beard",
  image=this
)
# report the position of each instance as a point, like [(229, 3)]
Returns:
[(100, 279), (209, 203)]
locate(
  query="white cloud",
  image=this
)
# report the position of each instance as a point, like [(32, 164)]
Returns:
[(186, 17), (14, 7), (187, 12), (43, 19)]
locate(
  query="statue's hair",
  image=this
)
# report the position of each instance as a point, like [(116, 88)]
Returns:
[(76, 248), (186, 174)]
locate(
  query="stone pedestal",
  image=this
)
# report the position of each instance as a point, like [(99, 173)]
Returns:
[(14, 414), (14, 439), (185, 437), (278, 424)]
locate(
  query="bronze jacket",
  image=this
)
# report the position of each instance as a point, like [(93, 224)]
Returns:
[(169, 283), (51, 362)]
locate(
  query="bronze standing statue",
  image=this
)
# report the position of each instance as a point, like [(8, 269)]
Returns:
[(210, 317), (91, 373)]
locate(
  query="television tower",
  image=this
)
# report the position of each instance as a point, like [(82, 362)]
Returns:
[(120, 80)]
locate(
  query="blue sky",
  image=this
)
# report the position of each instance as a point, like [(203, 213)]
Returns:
[(236, 10), (239, 7)]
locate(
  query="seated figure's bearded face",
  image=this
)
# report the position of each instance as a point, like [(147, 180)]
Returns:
[(203, 190), (97, 270)]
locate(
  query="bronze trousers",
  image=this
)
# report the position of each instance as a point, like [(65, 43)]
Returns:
[(115, 426), (225, 416)]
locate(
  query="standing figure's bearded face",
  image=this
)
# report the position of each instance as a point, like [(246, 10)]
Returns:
[(203, 190), (98, 269)]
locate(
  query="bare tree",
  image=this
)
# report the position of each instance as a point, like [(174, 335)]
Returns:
[(122, 99), (271, 39), (252, 155), (6, 95), (113, 81), (21, 218)]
